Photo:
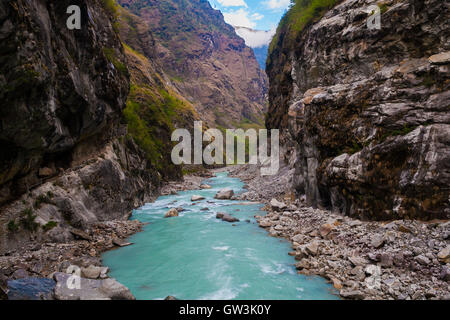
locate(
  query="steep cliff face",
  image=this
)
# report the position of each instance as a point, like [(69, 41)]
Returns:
[(66, 158), (208, 63), (59, 88), (366, 111)]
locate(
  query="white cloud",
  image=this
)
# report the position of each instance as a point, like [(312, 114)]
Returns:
[(255, 38), (233, 3), (240, 17), (256, 16), (277, 4)]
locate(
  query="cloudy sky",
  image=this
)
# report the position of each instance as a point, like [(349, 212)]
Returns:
[(254, 14)]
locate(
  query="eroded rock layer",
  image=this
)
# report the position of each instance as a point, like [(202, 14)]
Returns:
[(366, 111)]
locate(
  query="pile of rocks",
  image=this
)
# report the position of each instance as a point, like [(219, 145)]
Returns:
[(190, 182), (44, 260), (401, 259)]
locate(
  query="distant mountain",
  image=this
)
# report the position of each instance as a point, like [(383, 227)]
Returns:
[(261, 55), (207, 62), (258, 40)]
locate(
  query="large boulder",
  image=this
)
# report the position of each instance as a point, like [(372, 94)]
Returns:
[(89, 289), (197, 198), (224, 194), (444, 255), (277, 205), (226, 217), (171, 213), (94, 272)]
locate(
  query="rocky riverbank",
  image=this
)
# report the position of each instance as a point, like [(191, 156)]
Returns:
[(44, 263), (401, 259), (21, 269)]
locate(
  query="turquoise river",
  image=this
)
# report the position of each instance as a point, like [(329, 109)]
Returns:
[(196, 256)]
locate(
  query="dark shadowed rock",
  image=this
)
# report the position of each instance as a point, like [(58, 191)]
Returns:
[(80, 234), (31, 289), (228, 218)]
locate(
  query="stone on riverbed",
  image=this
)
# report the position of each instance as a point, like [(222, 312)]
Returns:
[(197, 198), (226, 217), (352, 294), (224, 194), (120, 243), (107, 289), (171, 213), (93, 272), (444, 255), (265, 223), (277, 205), (205, 186)]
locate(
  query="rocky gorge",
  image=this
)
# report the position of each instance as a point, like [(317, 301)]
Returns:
[(86, 119)]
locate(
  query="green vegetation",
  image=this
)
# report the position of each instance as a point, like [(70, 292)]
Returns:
[(12, 226), (111, 56), (397, 132), (43, 198), (302, 13), (356, 147), (111, 7), (28, 220), (49, 225), (150, 115), (383, 7)]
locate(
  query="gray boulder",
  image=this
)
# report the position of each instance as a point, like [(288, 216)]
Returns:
[(89, 289), (224, 194), (197, 198), (277, 205)]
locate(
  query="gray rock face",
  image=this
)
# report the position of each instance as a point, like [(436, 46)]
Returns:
[(61, 105), (107, 289), (57, 88), (367, 121), (224, 194)]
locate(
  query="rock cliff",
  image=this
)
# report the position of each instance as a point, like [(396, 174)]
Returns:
[(66, 158), (61, 90), (365, 112)]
